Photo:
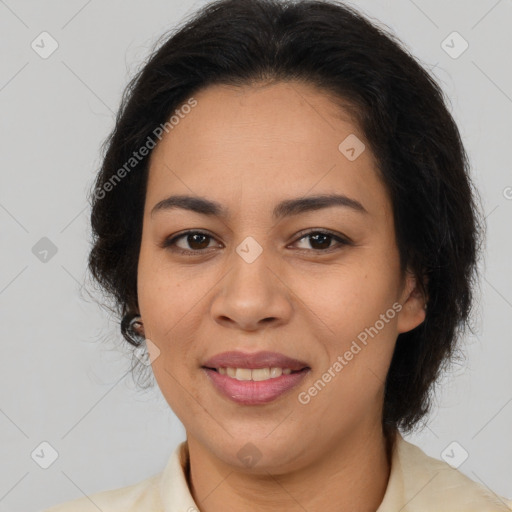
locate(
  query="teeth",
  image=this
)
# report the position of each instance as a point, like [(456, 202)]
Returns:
[(276, 372), (243, 374), (256, 374), (260, 374)]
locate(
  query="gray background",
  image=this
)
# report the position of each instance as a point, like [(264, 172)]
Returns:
[(64, 378)]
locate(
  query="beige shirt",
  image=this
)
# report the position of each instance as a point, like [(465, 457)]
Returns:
[(417, 483)]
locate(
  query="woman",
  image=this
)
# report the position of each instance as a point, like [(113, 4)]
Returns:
[(285, 220)]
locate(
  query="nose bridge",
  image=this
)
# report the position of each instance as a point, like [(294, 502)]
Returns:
[(252, 291), (252, 267)]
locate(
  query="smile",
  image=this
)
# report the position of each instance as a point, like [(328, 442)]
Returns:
[(244, 389), (256, 374)]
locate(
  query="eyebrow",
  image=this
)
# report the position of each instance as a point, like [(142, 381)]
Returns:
[(286, 208)]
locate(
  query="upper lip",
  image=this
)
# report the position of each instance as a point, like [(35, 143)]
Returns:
[(264, 359)]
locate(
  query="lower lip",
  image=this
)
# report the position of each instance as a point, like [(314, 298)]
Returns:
[(249, 392)]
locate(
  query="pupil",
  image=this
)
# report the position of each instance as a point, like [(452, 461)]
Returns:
[(322, 238), (193, 239)]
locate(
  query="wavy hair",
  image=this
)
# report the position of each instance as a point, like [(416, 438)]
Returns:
[(404, 117)]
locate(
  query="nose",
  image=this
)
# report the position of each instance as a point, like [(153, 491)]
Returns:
[(253, 295)]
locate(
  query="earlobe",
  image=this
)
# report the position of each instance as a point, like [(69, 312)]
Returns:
[(414, 306)]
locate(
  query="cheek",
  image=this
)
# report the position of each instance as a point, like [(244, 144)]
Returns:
[(163, 299), (347, 298), (172, 316), (166, 310), (169, 318), (358, 305)]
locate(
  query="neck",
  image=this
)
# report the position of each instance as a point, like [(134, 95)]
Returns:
[(353, 475)]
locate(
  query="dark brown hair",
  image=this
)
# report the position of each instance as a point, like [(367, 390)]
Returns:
[(400, 109)]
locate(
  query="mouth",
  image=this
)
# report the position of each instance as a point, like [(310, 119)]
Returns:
[(244, 391), (254, 379), (237, 360)]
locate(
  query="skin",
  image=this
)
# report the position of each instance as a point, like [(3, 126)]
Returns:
[(249, 148)]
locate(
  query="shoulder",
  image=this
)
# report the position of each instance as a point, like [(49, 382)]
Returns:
[(143, 495), (165, 491), (432, 484)]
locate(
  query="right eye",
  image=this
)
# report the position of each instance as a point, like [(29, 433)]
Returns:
[(197, 241)]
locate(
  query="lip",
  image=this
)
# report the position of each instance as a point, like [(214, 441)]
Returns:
[(264, 359), (248, 392)]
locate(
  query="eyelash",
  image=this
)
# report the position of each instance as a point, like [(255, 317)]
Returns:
[(170, 242)]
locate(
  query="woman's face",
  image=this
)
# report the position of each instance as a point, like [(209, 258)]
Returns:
[(253, 280)]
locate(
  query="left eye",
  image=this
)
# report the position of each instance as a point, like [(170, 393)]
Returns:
[(322, 239), (198, 241)]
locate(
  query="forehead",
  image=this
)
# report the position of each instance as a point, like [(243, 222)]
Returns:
[(264, 142)]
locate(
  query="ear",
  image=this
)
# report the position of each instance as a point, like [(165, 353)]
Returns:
[(413, 303)]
